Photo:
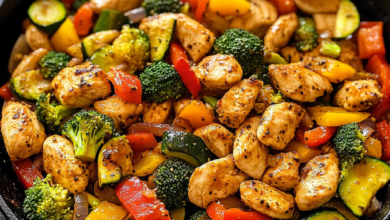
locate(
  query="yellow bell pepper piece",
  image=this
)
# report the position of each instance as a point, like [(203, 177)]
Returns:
[(178, 214), (373, 147), (197, 113), (305, 153), (334, 116), (146, 162), (334, 70), (107, 211), (65, 36), (229, 7)]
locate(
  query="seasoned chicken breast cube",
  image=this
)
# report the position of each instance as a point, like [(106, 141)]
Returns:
[(179, 104), (217, 138), (214, 180), (236, 104), (350, 55), (219, 72), (59, 161), (157, 113), (37, 39), (80, 86), (284, 175), (318, 184), (121, 112), (325, 24), (315, 6), (23, 134), (299, 83), (29, 62), (261, 15), (249, 153), (291, 54), (195, 38), (267, 200), (120, 5), (278, 124), (279, 34), (358, 95)]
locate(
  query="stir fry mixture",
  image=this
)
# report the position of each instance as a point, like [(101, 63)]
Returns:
[(198, 109)]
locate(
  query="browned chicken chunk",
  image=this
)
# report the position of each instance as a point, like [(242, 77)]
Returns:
[(157, 113), (217, 138), (29, 62), (279, 34), (316, 6)]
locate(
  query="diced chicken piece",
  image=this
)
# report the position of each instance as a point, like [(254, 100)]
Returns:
[(261, 15), (37, 39), (267, 200), (318, 184), (219, 72), (59, 161), (195, 38), (285, 174), (299, 83), (119, 5), (249, 153), (278, 124), (279, 34), (236, 104), (318, 6), (291, 54), (121, 112), (179, 104), (358, 95), (349, 54), (216, 23), (80, 86), (157, 113), (325, 24), (29, 62), (23, 134), (214, 180), (217, 138)]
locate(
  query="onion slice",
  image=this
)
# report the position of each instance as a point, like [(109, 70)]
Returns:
[(155, 129), (231, 202), (366, 130), (80, 206), (136, 15), (20, 48)]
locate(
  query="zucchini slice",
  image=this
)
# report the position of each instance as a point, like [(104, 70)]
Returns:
[(96, 41), (104, 58), (114, 161), (109, 20), (160, 35), (185, 146), (30, 85), (47, 15), (325, 214), (347, 20), (362, 182)]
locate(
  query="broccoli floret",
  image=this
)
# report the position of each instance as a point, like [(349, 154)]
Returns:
[(199, 215), (172, 180), (160, 81), (153, 7), (51, 114), (53, 62), (246, 48), (131, 46), (348, 143), (263, 75), (277, 98), (46, 200), (306, 35), (88, 131)]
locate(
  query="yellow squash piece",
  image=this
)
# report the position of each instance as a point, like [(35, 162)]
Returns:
[(107, 211), (146, 162), (334, 70), (197, 113), (373, 147), (229, 7), (334, 116), (305, 153), (65, 36)]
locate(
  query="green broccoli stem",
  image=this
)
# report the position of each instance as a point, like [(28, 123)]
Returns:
[(211, 101), (330, 49), (65, 111)]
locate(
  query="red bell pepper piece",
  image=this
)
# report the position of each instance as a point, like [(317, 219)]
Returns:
[(141, 141), (379, 66), (6, 91), (180, 62), (384, 135), (216, 211), (370, 39), (318, 136), (140, 201), (284, 6), (237, 214), (26, 172), (127, 87), (201, 9), (83, 19)]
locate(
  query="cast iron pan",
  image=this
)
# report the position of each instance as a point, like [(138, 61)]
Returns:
[(12, 12)]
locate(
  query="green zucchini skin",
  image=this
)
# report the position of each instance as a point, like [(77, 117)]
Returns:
[(360, 179), (110, 20), (50, 21), (325, 214), (160, 36), (347, 20), (185, 146)]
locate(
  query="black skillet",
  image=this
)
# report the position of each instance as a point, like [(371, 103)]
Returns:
[(12, 12)]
